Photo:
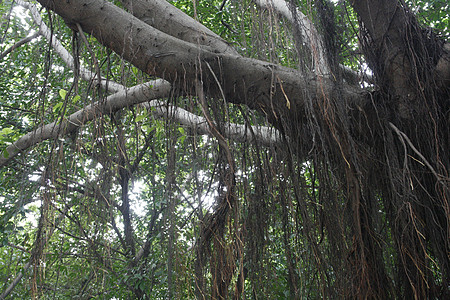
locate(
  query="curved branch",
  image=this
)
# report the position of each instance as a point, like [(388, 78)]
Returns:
[(167, 18), (260, 85), (264, 135), (123, 98), (18, 44), (140, 93), (135, 95), (439, 177)]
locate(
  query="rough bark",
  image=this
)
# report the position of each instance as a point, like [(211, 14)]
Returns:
[(391, 51), (386, 22)]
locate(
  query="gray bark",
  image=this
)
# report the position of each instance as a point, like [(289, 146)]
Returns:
[(172, 21), (274, 90), (137, 94)]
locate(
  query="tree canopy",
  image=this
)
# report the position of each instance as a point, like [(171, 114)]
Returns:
[(224, 149)]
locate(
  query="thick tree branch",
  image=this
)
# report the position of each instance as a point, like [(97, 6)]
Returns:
[(386, 30), (140, 93), (275, 90), (167, 18), (237, 132), (135, 95), (123, 98)]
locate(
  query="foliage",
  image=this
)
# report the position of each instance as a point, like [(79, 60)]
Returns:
[(136, 206), (434, 13)]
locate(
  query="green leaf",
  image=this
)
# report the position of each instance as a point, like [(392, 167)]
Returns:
[(5, 153), (57, 106), (140, 117), (6, 131), (63, 93)]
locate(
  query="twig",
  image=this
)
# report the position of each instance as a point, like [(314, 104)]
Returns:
[(18, 44), (16, 281)]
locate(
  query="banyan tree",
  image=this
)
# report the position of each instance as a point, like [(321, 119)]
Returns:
[(232, 149)]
